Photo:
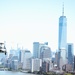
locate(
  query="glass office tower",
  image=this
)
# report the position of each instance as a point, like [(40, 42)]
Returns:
[(62, 41), (36, 49), (62, 32), (70, 54)]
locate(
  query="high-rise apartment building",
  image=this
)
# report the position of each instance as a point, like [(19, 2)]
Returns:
[(62, 41)]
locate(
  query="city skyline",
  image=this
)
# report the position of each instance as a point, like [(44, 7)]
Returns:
[(24, 22)]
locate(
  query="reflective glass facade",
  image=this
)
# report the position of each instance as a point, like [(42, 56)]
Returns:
[(70, 54), (62, 32), (35, 49), (62, 41)]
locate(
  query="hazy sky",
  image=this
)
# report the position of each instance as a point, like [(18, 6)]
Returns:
[(26, 21)]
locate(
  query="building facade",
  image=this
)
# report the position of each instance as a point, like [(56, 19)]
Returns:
[(45, 66), (36, 64), (45, 52), (26, 61), (14, 65), (35, 49), (70, 54), (22, 55), (62, 41)]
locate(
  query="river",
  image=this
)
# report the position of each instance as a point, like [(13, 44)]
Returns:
[(14, 73)]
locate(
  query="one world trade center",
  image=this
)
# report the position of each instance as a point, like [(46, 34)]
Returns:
[(62, 41)]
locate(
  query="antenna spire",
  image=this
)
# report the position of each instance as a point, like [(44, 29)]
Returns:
[(63, 9)]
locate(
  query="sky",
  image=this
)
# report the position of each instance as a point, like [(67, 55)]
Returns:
[(23, 22)]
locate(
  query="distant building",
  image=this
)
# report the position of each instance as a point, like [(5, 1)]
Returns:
[(14, 64), (36, 64), (36, 48), (19, 56), (56, 58), (13, 52), (67, 67), (62, 41), (2, 56), (11, 60), (14, 58), (10, 55), (45, 52), (22, 55), (45, 66), (46, 43), (16, 53), (53, 61), (20, 65), (26, 60), (70, 54), (28, 64), (51, 65)]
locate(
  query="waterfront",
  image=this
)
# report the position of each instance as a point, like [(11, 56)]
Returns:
[(13, 73)]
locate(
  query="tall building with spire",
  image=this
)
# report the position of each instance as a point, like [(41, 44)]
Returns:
[(62, 41)]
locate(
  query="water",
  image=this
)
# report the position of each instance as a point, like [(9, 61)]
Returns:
[(14, 73)]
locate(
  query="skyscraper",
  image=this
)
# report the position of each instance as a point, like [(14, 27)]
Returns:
[(70, 54), (62, 38), (26, 61), (45, 52), (62, 31), (35, 49)]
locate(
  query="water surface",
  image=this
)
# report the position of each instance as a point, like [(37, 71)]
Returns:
[(13, 73)]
